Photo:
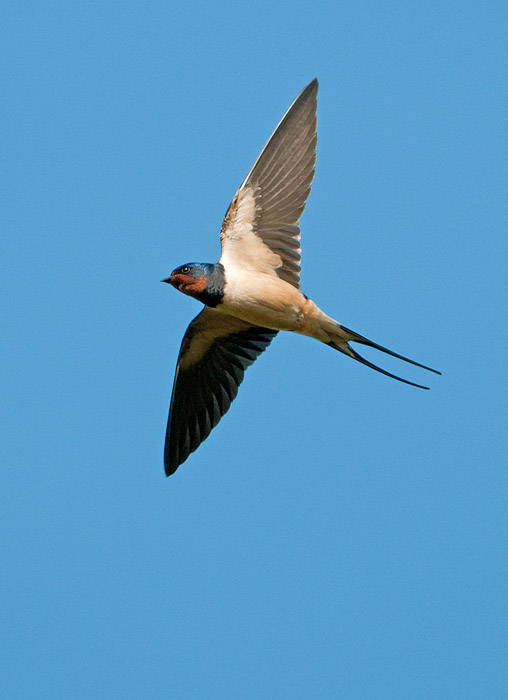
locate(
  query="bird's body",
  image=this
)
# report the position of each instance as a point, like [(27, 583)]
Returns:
[(267, 301), (253, 291)]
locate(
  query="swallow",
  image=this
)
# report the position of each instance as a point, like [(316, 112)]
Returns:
[(252, 293)]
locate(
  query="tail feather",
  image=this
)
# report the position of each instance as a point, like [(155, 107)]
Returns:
[(357, 338), (343, 346)]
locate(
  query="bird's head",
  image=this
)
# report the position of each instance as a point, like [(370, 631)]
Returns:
[(190, 279)]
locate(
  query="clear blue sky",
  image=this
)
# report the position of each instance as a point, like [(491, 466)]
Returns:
[(339, 535)]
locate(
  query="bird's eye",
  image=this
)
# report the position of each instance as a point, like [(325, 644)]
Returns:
[(185, 269)]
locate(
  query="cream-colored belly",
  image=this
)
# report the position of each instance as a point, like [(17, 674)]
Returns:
[(262, 299)]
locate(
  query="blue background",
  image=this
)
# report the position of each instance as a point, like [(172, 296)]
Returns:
[(339, 535)]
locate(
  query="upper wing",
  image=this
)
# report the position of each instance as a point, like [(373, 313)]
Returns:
[(216, 350), (260, 230)]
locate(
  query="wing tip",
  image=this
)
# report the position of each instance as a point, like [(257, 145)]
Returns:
[(171, 462), (310, 89)]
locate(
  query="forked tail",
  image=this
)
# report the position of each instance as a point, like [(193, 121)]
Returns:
[(343, 346)]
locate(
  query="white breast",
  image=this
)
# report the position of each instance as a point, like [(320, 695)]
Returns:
[(262, 299)]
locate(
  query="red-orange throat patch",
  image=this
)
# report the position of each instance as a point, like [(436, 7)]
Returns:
[(194, 286)]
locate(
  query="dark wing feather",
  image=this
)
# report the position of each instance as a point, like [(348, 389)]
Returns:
[(216, 350), (261, 228)]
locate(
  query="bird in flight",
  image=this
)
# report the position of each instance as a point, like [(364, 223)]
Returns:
[(253, 291)]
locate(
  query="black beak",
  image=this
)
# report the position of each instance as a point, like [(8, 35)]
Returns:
[(168, 280)]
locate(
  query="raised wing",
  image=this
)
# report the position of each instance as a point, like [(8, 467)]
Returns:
[(216, 350), (261, 228)]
